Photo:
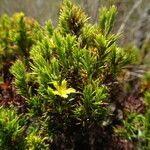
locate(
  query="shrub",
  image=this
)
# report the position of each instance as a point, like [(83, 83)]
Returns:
[(69, 81)]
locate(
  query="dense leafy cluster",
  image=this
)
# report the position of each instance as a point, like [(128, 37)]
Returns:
[(67, 77), (16, 34)]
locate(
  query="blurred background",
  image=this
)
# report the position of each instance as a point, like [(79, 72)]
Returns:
[(133, 19)]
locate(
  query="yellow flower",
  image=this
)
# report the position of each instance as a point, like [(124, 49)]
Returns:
[(62, 90)]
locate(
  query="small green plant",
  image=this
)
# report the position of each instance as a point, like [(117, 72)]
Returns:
[(35, 141), (17, 38), (136, 126), (11, 129)]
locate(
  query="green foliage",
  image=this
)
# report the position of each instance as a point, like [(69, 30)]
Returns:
[(94, 105), (35, 141), (19, 71), (106, 19), (64, 75), (136, 125), (16, 40), (5, 43), (18, 34), (133, 128), (5, 25), (72, 19), (11, 129)]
